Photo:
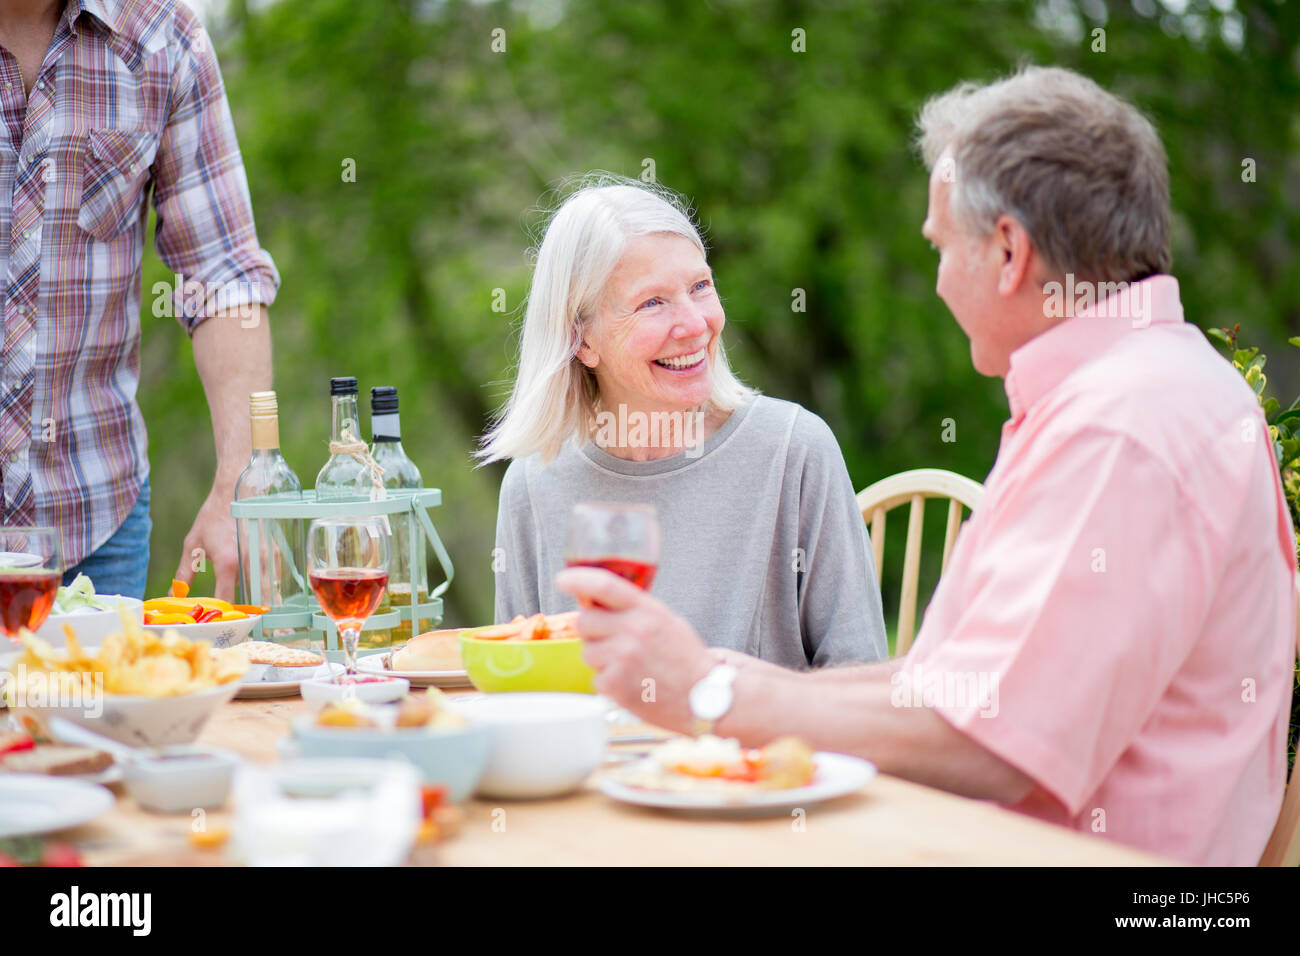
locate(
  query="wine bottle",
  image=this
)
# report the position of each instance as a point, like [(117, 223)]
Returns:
[(399, 472), (344, 477), (280, 549)]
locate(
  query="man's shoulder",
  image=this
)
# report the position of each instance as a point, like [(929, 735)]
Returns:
[(152, 24)]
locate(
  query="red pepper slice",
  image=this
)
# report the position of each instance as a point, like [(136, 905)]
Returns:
[(12, 743), (202, 615)]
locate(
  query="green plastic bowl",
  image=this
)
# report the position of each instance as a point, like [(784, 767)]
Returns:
[(554, 665)]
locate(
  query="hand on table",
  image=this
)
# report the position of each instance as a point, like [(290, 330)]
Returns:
[(212, 540), (646, 658)]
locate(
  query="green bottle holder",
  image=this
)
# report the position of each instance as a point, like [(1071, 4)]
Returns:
[(306, 613)]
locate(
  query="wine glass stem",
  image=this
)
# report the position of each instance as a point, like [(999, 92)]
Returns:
[(350, 637)]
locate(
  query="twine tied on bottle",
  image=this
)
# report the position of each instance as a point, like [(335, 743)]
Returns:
[(360, 451)]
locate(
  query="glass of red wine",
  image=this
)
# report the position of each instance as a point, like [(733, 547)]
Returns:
[(623, 538), (347, 563), (30, 575)]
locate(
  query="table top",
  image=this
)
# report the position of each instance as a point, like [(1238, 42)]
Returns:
[(889, 822)]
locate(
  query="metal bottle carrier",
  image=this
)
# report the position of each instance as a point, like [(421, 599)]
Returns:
[(305, 612)]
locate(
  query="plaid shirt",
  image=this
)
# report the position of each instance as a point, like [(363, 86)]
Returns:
[(128, 99)]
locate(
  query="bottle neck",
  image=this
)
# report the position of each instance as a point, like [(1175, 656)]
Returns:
[(345, 417), (266, 433), (385, 427)]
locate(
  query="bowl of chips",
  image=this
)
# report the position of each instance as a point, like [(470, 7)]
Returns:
[(138, 687)]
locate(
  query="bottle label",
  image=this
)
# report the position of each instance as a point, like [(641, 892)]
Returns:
[(385, 426)]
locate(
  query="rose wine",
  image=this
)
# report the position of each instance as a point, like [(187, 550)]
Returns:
[(26, 597), (349, 594), (640, 573)]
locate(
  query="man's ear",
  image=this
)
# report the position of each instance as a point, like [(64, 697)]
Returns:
[(1017, 254)]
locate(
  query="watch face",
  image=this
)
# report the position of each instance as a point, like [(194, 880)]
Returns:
[(710, 701)]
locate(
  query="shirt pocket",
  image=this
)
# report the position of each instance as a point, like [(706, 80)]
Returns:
[(113, 179)]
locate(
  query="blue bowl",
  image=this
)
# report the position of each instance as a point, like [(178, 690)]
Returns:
[(453, 758)]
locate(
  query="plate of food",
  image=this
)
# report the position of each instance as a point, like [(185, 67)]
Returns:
[(431, 659), (277, 670), (21, 753), (715, 775)]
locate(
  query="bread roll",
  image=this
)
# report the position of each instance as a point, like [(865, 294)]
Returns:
[(431, 651)]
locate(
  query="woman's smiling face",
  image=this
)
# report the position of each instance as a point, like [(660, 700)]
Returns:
[(654, 341)]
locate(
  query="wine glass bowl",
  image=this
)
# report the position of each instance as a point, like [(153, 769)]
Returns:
[(347, 564), (622, 538), (30, 574)]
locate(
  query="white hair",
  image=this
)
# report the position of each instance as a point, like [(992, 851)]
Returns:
[(555, 397)]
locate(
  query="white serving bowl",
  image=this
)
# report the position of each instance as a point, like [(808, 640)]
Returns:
[(182, 779), (136, 721), (319, 691), (217, 633), (91, 627), (543, 744)]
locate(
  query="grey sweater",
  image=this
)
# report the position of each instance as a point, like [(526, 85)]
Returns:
[(764, 550)]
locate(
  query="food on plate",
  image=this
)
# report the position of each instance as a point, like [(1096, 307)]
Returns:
[(415, 711), (15, 742), (345, 713), (268, 661), (79, 597), (539, 627), (434, 651), (427, 710), (714, 764), (178, 608), (57, 760), (131, 661)]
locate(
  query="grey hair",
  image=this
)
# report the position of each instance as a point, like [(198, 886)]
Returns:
[(1081, 169), (555, 397)]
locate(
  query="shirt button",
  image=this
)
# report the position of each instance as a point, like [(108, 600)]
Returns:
[(13, 458), (40, 84), (9, 84)]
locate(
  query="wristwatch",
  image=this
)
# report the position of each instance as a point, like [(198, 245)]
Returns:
[(711, 698)]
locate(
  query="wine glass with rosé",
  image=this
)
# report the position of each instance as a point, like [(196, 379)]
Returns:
[(30, 574), (347, 564), (623, 538)]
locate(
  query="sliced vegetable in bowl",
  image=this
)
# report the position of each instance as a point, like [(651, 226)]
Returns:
[(179, 609), (79, 597)]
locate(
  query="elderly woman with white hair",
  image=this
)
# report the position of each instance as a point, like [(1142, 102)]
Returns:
[(623, 393)]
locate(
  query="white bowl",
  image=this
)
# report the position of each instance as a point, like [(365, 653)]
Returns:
[(181, 779), (137, 721), (216, 633), (320, 691), (91, 627), (543, 744)]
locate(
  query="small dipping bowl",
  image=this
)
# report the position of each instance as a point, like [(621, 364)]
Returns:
[(371, 689), (182, 778)]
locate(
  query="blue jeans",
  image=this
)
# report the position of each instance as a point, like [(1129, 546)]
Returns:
[(121, 565)]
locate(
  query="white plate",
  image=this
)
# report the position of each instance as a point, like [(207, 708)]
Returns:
[(260, 689), (33, 803), (837, 775), (378, 664)]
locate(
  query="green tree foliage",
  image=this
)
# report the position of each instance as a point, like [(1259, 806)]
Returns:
[(799, 163)]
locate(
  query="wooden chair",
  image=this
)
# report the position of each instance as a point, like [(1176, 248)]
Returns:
[(1284, 845), (915, 486)]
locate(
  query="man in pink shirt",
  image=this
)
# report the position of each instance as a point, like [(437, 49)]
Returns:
[(1111, 646)]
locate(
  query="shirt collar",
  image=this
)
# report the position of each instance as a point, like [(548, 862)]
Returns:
[(97, 9), (1044, 361)]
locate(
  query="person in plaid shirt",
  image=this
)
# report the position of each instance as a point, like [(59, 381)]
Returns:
[(105, 102)]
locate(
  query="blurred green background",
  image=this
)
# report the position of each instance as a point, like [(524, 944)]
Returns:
[(799, 164)]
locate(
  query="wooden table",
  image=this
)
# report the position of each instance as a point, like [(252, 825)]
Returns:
[(890, 821)]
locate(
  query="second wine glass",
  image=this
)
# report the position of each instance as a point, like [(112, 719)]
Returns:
[(347, 562)]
